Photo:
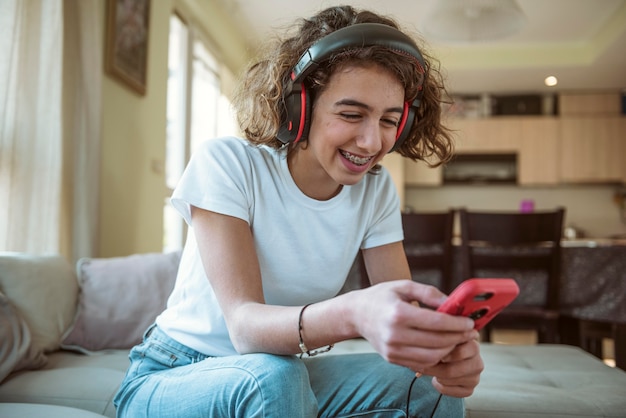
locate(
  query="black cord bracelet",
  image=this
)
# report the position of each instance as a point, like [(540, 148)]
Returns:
[(303, 346)]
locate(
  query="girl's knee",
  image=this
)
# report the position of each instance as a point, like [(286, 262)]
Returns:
[(280, 385)]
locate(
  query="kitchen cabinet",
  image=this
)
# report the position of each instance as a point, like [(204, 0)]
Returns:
[(484, 136), (538, 156), (585, 144), (395, 163), (593, 149), (418, 173), (488, 135), (534, 140), (576, 104)]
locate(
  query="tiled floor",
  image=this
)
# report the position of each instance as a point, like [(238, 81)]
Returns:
[(529, 337), (514, 337)]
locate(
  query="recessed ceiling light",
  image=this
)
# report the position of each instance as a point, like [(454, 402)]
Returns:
[(551, 81)]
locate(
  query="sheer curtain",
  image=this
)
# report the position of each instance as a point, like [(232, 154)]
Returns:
[(50, 78)]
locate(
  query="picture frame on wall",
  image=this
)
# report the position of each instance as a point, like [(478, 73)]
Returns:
[(126, 56)]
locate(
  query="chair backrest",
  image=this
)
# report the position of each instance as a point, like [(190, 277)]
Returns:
[(428, 244), (515, 243)]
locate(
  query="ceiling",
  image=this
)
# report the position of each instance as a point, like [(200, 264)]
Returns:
[(581, 42)]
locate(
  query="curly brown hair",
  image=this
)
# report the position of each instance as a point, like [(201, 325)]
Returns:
[(259, 98)]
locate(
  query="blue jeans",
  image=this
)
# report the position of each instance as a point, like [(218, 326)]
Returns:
[(167, 380)]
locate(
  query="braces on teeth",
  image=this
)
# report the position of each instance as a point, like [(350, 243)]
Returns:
[(355, 159)]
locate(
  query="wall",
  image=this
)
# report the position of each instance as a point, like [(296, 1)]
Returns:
[(590, 208), (132, 185), (133, 150)]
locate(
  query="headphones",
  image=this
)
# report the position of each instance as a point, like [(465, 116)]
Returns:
[(297, 111)]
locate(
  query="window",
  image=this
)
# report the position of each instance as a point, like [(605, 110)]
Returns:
[(197, 110)]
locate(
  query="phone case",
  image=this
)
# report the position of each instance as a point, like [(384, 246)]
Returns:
[(480, 299)]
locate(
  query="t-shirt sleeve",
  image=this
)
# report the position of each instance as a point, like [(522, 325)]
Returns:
[(216, 179)]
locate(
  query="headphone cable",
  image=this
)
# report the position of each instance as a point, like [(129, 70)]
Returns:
[(408, 399)]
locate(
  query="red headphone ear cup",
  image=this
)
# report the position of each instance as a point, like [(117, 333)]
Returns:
[(403, 119), (305, 115), (296, 114), (405, 125)]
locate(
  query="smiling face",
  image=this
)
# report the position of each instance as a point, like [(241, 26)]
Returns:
[(353, 125)]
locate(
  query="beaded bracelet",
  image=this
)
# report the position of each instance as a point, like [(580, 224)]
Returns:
[(303, 346)]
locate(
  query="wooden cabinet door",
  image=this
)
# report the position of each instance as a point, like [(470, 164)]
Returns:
[(394, 163), (592, 149), (538, 157), (589, 104), (490, 135), (420, 174)]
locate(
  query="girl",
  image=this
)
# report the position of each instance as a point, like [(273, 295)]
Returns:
[(276, 221)]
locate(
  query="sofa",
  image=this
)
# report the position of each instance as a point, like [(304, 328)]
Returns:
[(65, 333)]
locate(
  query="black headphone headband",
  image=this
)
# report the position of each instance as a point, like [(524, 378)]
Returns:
[(359, 35), (296, 113)]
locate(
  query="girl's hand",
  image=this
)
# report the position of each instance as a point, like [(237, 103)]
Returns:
[(390, 317), (459, 372)]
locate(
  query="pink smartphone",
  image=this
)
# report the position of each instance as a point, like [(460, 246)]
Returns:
[(480, 299)]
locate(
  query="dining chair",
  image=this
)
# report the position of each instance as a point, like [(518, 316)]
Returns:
[(589, 334), (525, 247), (428, 247)]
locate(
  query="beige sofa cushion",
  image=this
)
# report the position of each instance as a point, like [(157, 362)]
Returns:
[(556, 381), (530, 381), (71, 379), (15, 349), (44, 291), (29, 410)]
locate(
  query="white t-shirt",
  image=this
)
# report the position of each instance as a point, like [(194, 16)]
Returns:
[(305, 246)]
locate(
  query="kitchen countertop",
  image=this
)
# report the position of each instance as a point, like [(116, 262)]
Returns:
[(574, 243), (593, 242)]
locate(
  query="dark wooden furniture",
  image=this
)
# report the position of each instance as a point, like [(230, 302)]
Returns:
[(428, 247), (526, 247), (589, 333), (593, 298), (592, 292)]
